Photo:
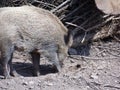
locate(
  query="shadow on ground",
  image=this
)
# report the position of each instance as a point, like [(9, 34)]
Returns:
[(26, 69)]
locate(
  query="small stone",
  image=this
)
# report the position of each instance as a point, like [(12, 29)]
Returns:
[(8, 83), (31, 87), (25, 83), (94, 76), (39, 84), (88, 87), (39, 81), (31, 82), (50, 84)]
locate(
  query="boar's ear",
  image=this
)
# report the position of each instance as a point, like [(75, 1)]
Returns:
[(68, 38)]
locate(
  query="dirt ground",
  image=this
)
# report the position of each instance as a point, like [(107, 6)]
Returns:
[(89, 67), (100, 70)]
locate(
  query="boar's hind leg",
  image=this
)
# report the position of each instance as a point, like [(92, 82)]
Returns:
[(12, 70), (36, 62), (6, 57)]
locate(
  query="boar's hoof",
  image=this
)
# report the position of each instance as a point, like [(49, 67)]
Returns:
[(7, 77), (36, 73), (14, 74)]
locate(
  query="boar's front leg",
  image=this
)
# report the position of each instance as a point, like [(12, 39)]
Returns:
[(6, 59), (36, 61), (53, 56)]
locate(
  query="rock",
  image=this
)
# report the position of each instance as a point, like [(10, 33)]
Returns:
[(50, 84), (94, 76), (25, 83), (31, 82)]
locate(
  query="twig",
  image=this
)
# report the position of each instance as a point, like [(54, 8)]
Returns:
[(76, 10), (83, 24), (69, 23), (48, 4), (92, 28), (117, 18), (84, 14), (117, 39), (113, 54), (24, 68), (113, 48), (100, 52), (109, 19), (76, 29), (83, 40), (101, 24), (110, 86), (78, 57), (61, 5), (61, 10), (79, 17)]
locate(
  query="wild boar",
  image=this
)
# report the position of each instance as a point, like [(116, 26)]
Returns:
[(35, 31), (108, 6)]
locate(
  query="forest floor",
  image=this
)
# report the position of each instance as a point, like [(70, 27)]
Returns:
[(98, 71)]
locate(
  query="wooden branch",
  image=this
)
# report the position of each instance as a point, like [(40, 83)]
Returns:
[(41, 2), (60, 6), (78, 57), (75, 10), (77, 27), (90, 18)]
